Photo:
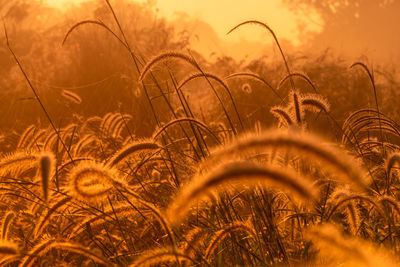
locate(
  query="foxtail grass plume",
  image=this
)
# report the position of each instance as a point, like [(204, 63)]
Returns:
[(130, 149), (91, 181), (224, 232), (8, 248), (71, 96), (342, 165), (339, 250), (46, 245), (46, 161), (156, 257), (243, 172), (8, 218)]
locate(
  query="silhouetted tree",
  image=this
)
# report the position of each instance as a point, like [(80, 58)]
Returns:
[(356, 26)]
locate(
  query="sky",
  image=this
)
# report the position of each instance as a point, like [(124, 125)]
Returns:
[(208, 21), (371, 31), (222, 15)]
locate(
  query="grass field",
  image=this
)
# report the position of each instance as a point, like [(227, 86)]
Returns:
[(180, 162)]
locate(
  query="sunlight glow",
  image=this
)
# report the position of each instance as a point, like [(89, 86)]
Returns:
[(62, 4), (208, 21), (222, 15)]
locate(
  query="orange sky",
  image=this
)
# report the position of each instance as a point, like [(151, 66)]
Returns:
[(222, 15)]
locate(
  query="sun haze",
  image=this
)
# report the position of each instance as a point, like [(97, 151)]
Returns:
[(210, 20), (62, 4), (224, 14)]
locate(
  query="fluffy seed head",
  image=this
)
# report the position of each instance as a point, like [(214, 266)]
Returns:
[(314, 102), (46, 161), (6, 224), (243, 172), (308, 145), (282, 114), (224, 232), (71, 96), (130, 149), (8, 248), (91, 181), (156, 257)]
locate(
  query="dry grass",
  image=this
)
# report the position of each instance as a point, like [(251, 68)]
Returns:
[(103, 196)]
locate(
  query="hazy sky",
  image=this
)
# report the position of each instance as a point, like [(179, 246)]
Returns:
[(222, 15), (208, 21)]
